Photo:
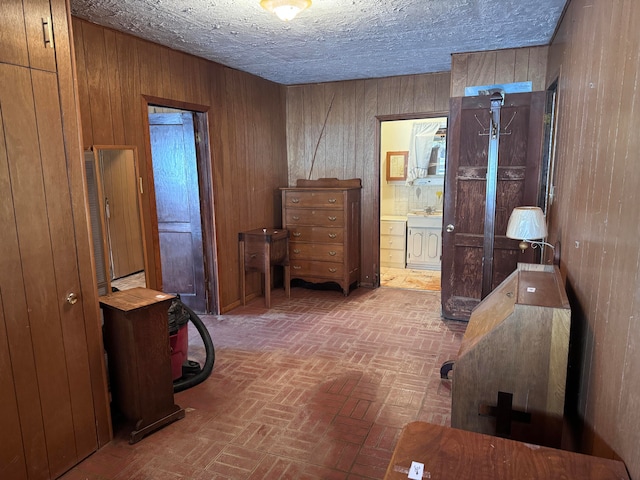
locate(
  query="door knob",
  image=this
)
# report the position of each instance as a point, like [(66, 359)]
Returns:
[(450, 228), (72, 298)]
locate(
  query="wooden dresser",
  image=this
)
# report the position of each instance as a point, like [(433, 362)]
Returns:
[(323, 219), (510, 376)]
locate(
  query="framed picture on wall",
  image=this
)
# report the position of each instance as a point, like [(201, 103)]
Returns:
[(397, 165)]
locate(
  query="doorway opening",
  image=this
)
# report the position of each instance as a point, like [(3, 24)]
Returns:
[(181, 202), (412, 168)]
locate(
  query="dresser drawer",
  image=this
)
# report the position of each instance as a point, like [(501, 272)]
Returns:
[(308, 251), (320, 217), (390, 227), (316, 234), (392, 242), (316, 199), (310, 268), (392, 258)]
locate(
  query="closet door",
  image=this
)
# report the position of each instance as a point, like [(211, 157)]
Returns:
[(23, 43), (49, 423), (467, 194)]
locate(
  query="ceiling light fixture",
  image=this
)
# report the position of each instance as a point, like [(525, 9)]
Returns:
[(285, 9)]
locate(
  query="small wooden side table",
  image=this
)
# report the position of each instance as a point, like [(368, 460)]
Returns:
[(260, 250), (136, 338), (449, 453)]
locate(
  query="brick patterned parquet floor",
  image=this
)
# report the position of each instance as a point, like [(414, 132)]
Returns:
[(317, 387)]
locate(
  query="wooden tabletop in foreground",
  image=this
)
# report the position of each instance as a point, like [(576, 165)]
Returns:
[(453, 454)]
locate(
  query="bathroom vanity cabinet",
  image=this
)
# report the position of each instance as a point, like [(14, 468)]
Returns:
[(424, 241)]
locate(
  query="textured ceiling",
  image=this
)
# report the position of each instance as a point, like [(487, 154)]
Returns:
[(333, 39)]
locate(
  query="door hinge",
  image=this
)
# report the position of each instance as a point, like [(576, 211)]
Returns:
[(197, 137)]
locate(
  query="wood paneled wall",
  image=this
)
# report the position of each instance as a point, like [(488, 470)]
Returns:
[(348, 146), (246, 118), (498, 66), (596, 53)]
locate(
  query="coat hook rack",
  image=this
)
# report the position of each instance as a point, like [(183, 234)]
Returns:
[(489, 131)]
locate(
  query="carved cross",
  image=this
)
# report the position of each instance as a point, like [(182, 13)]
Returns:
[(504, 413)]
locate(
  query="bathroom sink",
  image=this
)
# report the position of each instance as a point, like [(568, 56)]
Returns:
[(424, 213), (424, 219)]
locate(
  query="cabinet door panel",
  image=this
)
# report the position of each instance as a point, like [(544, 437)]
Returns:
[(52, 383), (41, 55), (13, 37), (12, 460), (468, 195), (21, 143)]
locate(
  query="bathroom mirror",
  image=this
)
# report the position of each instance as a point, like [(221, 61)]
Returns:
[(115, 208)]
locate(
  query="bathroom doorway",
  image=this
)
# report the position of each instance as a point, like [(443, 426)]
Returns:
[(412, 167)]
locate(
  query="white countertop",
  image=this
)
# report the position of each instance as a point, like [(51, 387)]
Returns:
[(394, 218)]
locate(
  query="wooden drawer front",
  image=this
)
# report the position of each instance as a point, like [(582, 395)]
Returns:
[(314, 199), (388, 227), (307, 251), (393, 243), (310, 268), (316, 234), (392, 258), (322, 218)]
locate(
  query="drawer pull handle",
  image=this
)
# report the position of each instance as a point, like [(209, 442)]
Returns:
[(295, 217), (297, 267), (332, 253), (332, 200), (295, 200), (253, 255), (333, 235), (333, 270), (333, 219), (296, 250), (296, 234)]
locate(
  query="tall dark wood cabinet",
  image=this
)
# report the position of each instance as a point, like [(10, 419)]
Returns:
[(323, 219), (54, 399), (494, 157)]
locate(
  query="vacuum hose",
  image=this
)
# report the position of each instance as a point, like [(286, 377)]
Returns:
[(189, 381)]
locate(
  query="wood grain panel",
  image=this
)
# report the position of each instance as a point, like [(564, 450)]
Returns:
[(595, 51), (41, 56), (15, 314), (65, 58), (13, 37), (360, 102), (77, 378), (499, 66), (246, 119), (12, 456)]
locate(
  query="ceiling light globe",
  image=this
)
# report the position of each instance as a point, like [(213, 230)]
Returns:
[(285, 9)]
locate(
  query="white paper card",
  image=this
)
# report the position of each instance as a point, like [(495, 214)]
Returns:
[(416, 470), (531, 289)]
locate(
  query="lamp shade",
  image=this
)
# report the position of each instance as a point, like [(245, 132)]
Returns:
[(527, 223)]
